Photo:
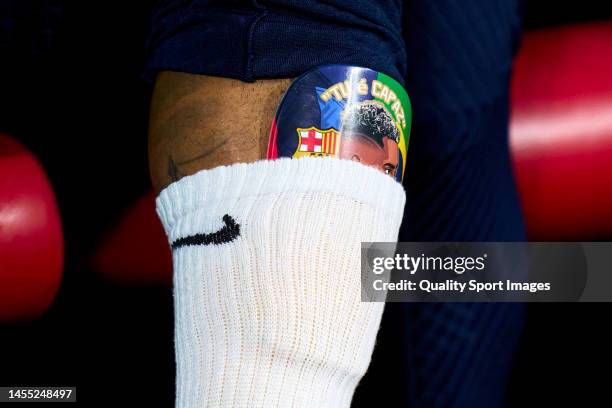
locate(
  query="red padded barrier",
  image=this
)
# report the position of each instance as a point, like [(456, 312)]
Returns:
[(31, 237), (148, 260), (561, 131)]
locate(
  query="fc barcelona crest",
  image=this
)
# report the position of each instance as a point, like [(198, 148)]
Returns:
[(316, 142)]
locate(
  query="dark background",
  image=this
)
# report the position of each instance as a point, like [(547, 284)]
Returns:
[(71, 90)]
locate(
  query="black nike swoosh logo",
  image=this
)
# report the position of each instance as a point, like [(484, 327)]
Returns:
[(229, 232)]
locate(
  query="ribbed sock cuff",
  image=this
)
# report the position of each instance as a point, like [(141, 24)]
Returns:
[(220, 189)]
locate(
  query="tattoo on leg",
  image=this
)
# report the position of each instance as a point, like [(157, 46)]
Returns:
[(206, 153), (173, 170)]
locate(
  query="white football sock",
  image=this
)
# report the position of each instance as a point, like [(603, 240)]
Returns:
[(274, 317)]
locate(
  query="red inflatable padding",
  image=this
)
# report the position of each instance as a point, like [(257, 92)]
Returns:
[(31, 238), (136, 250), (561, 132)]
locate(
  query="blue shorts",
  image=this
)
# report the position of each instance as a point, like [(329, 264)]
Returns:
[(454, 58)]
